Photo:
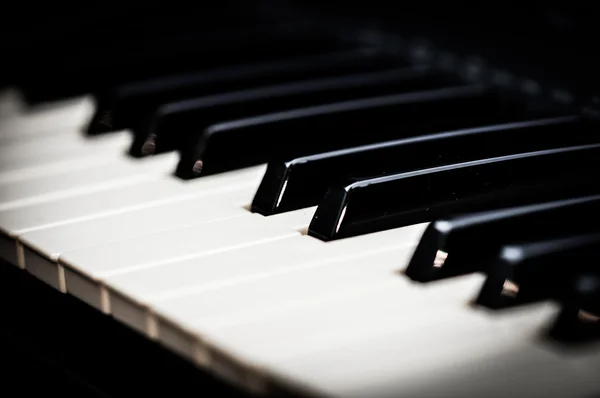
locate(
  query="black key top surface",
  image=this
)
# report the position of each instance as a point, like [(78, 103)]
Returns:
[(127, 105), (463, 244), (170, 124), (246, 142), (291, 184), (393, 201)]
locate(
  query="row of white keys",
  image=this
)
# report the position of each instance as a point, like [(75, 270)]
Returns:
[(333, 345), (468, 353), (341, 281), (48, 141), (47, 230), (65, 144), (85, 269), (48, 119), (246, 278), (118, 172)]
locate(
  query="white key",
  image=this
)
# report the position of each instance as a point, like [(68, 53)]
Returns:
[(16, 222), (58, 147), (11, 104), (27, 170), (46, 119), (120, 172), (181, 212), (289, 270), (43, 248), (314, 326), (94, 264), (345, 314), (450, 362)]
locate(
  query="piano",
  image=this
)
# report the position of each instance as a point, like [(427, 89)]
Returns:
[(296, 199)]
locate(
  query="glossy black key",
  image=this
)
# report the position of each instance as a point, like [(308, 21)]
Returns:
[(392, 201), (171, 122), (462, 244), (527, 272), (579, 318), (299, 132), (291, 184), (128, 105)]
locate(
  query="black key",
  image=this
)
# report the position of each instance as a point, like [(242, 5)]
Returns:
[(299, 132), (524, 273), (291, 184), (127, 105), (579, 318), (171, 122), (392, 201), (462, 244)]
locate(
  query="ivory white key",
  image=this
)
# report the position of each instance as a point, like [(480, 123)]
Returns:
[(117, 173), (67, 144), (70, 114), (448, 362), (342, 314), (16, 222), (90, 266), (250, 345), (358, 322), (180, 212), (11, 104), (289, 270), (97, 151), (44, 247)]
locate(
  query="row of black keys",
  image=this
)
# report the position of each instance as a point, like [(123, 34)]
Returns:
[(530, 253)]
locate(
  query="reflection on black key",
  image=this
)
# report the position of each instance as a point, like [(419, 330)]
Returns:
[(172, 122), (291, 184), (392, 201), (463, 244), (126, 106), (299, 132), (539, 270), (579, 319)]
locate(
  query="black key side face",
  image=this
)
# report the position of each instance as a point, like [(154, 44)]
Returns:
[(127, 105), (398, 200), (463, 244), (171, 123), (525, 273), (301, 132), (302, 182)]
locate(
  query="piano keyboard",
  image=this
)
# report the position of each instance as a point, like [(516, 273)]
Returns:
[(341, 237)]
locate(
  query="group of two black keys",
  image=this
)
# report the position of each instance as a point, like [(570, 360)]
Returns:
[(378, 143)]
